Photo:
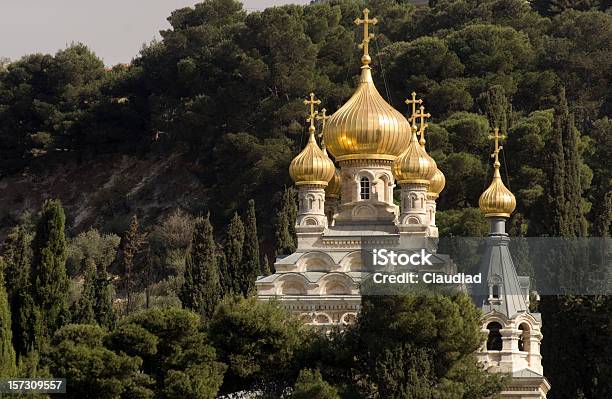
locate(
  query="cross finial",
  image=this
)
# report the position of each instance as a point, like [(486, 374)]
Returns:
[(323, 118), (366, 21), (414, 103), (422, 116), (497, 138), (312, 115)]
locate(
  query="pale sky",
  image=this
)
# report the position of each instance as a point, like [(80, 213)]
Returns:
[(114, 29)]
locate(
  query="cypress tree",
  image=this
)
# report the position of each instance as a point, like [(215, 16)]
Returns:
[(83, 312), (49, 282), (103, 300), (564, 122), (250, 252), (285, 224), (265, 267), (557, 205), (132, 244), (18, 256), (234, 243), (201, 290), (494, 104), (224, 278), (7, 352)]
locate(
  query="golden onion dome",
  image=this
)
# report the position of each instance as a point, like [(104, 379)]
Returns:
[(414, 165), (366, 126), (311, 166), (333, 188), (497, 200), (436, 184)]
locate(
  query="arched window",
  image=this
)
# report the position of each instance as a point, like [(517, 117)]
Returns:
[(494, 341), (523, 342), (364, 188), (495, 292)]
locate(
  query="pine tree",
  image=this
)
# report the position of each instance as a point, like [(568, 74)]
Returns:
[(234, 243), (84, 307), (132, 245), (201, 290), (7, 351), (49, 282), (250, 253), (285, 224), (18, 257)]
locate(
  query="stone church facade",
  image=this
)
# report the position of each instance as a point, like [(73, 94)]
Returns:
[(345, 209)]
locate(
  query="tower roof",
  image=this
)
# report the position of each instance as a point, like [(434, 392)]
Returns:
[(497, 200), (366, 126), (497, 269), (414, 165)]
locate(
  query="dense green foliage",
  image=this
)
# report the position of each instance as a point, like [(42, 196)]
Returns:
[(310, 385), (233, 247), (17, 258), (415, 346), (250, 253), (201, 290), (48, 279), (7, 351)]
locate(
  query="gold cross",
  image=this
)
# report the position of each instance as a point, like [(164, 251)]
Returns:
[(413, 102), (497, 137), (312, 102), (422, 116), (366, 34), (323, 118)]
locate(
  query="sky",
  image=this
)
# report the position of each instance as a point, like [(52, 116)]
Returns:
[(114, 29)]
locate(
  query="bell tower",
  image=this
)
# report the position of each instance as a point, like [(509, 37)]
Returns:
[(513, 332)]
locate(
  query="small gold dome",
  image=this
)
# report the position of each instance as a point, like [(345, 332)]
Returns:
[(333, 188), (366, 127), (414, 165), (311, 166), (436, 184), (497, 200)]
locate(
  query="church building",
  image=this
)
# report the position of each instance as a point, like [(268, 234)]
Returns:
[(346, 176)]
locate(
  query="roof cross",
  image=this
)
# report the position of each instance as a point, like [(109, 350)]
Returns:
[(497, 138), (414, 103), (323, 118), (366, 21), (422, 116), (312, 115)]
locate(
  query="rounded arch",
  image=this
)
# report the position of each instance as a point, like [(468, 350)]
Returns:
[(336, 284), (306, 318), (494, 339), (348, 318), (309, 221), (410, 219), (352, 262), (364, 173), (293, 288), (322, 318), (315, 261), (293, 284), (386, 187), (364, 211)]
